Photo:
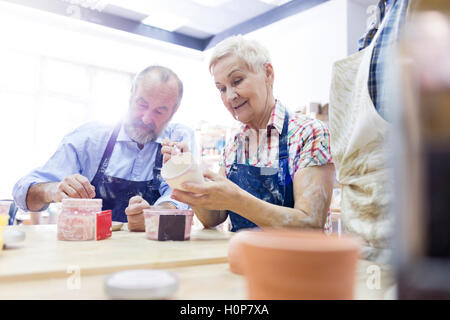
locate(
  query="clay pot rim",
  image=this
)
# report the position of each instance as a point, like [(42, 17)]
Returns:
[(298, 240)]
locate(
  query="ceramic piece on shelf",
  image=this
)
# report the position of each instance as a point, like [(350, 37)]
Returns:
[(296, 265)]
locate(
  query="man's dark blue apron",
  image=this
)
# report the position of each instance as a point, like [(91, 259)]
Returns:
[(116, 192)]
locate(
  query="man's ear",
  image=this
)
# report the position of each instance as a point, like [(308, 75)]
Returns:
[(175, 109)]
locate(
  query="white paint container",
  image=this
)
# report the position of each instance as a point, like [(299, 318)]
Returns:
[(181, 168)]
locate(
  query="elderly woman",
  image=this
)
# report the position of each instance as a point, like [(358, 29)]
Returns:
[(285, 179)]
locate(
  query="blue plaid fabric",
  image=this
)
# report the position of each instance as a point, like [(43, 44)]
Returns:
[(388, 37), (366, 39)]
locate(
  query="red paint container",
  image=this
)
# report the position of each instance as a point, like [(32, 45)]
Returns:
[(83, 219)]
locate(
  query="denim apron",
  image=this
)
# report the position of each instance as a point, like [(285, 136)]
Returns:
[(273, 185), (116, 192)]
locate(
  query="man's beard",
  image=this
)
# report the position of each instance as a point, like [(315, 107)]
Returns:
[(140, 132)]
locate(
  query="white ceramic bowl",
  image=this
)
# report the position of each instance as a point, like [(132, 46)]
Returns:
[(141, 284), (181, 168)]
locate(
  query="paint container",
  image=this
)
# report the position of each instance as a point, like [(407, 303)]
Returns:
[(181, 168), (4, 207), (299, 265), (83, 219), (168, 224), (3, 223), (141, 284)]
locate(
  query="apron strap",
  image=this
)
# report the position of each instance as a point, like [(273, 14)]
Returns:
[(157, 169), (283, 151), (108, 152), (239, 149), (159, 158)]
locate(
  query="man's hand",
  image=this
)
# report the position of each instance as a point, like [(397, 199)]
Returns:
[(135, 212), (74, 186), (169, 148)]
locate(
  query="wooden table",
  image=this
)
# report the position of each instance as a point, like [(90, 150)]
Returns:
[(43, 268)]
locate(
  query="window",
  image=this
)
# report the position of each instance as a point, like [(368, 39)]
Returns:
[(42, 99)]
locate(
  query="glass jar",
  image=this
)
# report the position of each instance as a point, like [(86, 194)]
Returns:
[(77, 220)]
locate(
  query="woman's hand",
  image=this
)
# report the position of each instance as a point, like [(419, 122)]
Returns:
[(217, 193), (170, 147)]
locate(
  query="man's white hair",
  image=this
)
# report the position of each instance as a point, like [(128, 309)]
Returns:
[(251, 52)]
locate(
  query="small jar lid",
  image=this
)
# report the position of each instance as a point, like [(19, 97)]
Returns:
[(164, 212), (141, 284), (81, 203)]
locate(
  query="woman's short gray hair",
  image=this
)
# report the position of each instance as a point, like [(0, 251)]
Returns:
[(250, 51)]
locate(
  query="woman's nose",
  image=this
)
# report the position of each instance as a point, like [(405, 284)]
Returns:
[(231, 94)]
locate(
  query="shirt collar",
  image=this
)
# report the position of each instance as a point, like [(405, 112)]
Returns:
[(123, 136), (276, 119)]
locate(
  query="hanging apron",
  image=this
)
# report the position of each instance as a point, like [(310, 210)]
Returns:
[(358, 141), (273, 185), (116, 192)]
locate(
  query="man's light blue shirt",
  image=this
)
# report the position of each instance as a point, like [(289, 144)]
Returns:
[(81, 152)]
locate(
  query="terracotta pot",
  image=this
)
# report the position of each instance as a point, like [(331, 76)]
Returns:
[(293, 265), (235, 250)]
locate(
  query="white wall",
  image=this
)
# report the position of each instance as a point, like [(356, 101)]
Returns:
[(357, 18), (304, 47)]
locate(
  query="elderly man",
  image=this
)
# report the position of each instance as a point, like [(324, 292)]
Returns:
[(120, 164)]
